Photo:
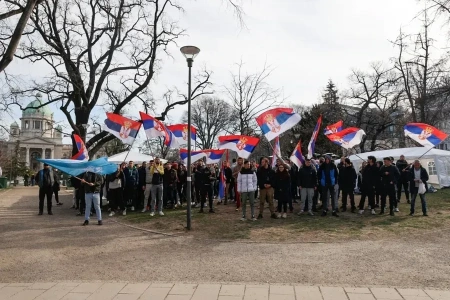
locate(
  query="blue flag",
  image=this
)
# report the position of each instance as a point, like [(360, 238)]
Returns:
[(72, 167)]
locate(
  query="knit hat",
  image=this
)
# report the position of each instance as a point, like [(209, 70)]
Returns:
[(327, 157)]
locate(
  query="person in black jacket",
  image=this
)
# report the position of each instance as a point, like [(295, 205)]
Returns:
[(181, 185), (132, 182), (115, 185), (307, 183), (170, 185), (293, 172), (142, 171), (265, 176), (340, 167), (370, 177), (418, 175), (282, 185), (328, 177), (228, 173), (389, 177), (403, 168), (347, 184), (57, 186), (378, 185), (205, 178)]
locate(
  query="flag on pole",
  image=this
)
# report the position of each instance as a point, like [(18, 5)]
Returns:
[(425, 134), (276, 151), (122, 128), (312, 142), (243, 145), (195, 155), (213, 156), (297, 156), (334, 128), (180, 132), (276, 121), (82, 153), (154, 128), (347, 138)]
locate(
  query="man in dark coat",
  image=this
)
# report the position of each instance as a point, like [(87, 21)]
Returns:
[(347, 178), (403, 167), (389, 177), (369, 182), (418, 175), (45, 179)]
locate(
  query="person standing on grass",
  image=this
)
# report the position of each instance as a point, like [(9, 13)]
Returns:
[(282, 185), (403, 168), (418, 175), (236, 171), (266, 177), (92, 185), (181, 185), (142, 186), (205, 179), (246, 187), (370, 178), (132, 182), (307, 183), (115, 184), (348, 177), (328, 178), (389, 176), (45, 179), (157, 173)]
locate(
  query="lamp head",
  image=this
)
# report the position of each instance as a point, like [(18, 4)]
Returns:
[(190, 52)]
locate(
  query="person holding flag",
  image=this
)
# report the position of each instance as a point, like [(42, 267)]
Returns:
[(265, 176)]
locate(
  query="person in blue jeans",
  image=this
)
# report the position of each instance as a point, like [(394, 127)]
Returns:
[(328, 178), (417, 175), (92, 184)]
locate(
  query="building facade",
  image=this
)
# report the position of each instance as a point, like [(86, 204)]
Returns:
[(36, 136)]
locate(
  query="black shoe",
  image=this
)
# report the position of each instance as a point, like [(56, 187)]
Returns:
[(335, 214), (381, 212), (201, 211), (343, 209), (411, 214), (425, 215), (73, 207), (295, 201), (100, 222), (86, 223), (408, 201), (315, 210), (211, 211), (274, 216), (324, 213), (40, 213), (291, 210), (377, 206), (353, 210), (50, 213), (220, 202), (260, 216), (391, 213), (59, 203)]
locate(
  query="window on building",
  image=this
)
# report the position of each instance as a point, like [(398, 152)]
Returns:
[(432, 168), (37, 125), (27, 125)]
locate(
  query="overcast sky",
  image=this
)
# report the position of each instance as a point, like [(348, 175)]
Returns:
[(307, 42)]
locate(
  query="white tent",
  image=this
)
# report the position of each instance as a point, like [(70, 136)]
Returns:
[(436, 162), (136, 157)]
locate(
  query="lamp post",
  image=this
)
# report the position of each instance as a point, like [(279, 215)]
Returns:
[(190, 52)]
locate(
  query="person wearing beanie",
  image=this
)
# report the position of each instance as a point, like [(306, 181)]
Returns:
[(328, 178)]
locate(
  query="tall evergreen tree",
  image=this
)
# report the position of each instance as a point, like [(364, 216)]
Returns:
[(330, 95)]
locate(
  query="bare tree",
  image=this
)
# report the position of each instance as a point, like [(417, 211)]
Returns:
[(211, 117), (251, 94), (373, 98)]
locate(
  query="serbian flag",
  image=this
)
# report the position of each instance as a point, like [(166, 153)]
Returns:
[(334, 128), (122, 128), (276, 151), (425, 134), (213, 156), (82, 151), (297, 156), (195, 155), (347, 138), (155, 128), (276, 121), (243, 145), (180, 132), (312, 142)]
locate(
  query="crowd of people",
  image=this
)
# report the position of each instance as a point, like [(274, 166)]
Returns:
[(157, 186)]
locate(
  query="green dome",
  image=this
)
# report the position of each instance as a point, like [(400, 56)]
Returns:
[(41, 111)]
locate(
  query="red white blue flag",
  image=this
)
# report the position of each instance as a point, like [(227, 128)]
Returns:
[(122, 128), (243, 145), (222, 183), (82, 151), (195, 155), (348, 137), (334, 128), (276, 151), (180, 131), (297, 156), (425, 134), (312, 142), (276, 121), (155, 128), (213, 156)]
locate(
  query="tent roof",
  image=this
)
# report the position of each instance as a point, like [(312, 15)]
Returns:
[(136, 157), (409, 153)]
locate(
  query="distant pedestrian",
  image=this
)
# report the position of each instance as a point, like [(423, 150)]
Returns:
[(45, 179)]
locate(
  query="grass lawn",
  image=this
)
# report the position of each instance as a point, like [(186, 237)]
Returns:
[(225, 223)]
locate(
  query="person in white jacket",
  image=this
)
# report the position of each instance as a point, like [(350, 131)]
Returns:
[(246, 186)]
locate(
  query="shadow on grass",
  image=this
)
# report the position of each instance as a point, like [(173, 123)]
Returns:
[(225, 223)]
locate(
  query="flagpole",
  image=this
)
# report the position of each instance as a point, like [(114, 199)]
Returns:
[(425, 152), (131, 146)]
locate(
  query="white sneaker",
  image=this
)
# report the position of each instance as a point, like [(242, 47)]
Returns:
[(124, 213), (253, 218), (144, 210), (112, 214), (300, 213), (243, 219), (373, 212), (179, 204), (284, 216), (132, 208), (161, 213), (396, 209), (152, 214), (279, 216), (361, 211)]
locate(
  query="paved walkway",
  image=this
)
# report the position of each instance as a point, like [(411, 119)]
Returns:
[(169, 291)]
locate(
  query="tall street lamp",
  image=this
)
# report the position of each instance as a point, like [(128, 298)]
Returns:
[(190, 52)]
